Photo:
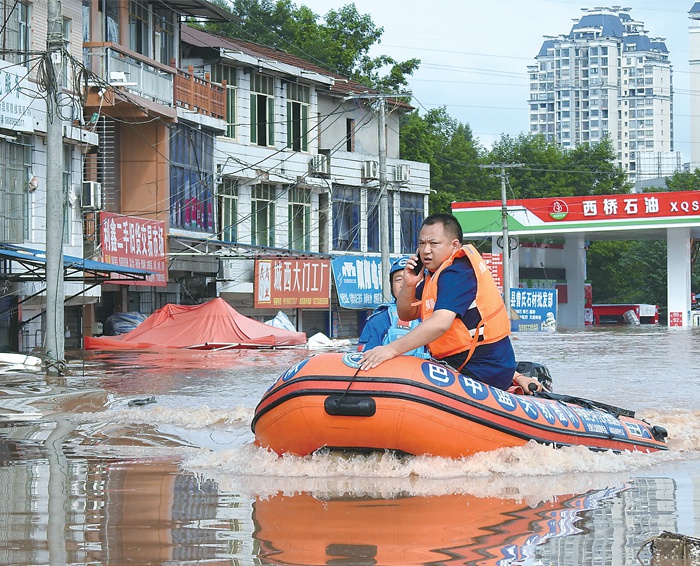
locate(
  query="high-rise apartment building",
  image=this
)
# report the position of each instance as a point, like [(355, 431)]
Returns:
[(606, 77)]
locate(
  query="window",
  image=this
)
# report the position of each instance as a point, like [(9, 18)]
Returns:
[(228, 209), (374, 221), (111, 20), (297, 117), (191, 198), (350, 134), (263, 215), (138, 27), (412, 215), (221, 73), (67, 65), (66, 176), (14, 199), (15, 31), (346, 218), (163, 35), (299, 219), (262, 110)]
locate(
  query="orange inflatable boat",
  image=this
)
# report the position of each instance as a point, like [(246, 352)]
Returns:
[(416, 406)]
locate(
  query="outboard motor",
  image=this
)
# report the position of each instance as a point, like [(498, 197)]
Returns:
[(538, 371)]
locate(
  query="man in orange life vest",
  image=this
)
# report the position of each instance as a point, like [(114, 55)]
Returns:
[(463, 317)]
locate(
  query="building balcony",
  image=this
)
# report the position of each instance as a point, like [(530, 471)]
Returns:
[(200, 94), (138, 74), (153, 81)]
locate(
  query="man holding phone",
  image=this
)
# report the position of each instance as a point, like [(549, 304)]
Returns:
[(463, 317)]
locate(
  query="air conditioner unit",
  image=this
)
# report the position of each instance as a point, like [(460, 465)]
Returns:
[(92, 195), (402, 173), (370, 170), (321, 164)]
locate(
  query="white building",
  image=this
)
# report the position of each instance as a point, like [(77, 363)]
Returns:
[(297, 169), (23, 176), (606, 77)]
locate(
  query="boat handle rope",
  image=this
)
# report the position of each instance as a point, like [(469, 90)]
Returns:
[(352, 379)]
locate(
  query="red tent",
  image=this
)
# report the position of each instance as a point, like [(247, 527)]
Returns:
[(213, 325)]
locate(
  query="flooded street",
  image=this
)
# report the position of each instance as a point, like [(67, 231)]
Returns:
[(148, 458)]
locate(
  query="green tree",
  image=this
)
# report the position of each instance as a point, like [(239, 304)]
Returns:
[(629, 271), (454, 155), (340, 42), (550, 170)]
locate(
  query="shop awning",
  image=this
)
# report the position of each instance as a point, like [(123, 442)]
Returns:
[(33, 267)]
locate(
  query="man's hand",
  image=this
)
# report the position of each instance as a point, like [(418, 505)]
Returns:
[(524, 382), (372, 358)]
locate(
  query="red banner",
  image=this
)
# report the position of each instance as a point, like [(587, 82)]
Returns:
[(129, 241), (495, 265), (292, 283)]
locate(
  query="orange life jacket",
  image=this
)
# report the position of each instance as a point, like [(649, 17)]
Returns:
[(494, 324)]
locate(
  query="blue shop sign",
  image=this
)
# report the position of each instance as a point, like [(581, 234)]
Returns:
[(535, 310), (358, 281)]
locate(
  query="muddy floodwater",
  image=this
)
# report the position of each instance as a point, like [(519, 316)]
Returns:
[(148, 458)]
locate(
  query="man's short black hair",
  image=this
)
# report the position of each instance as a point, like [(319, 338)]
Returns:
[(452, 226)]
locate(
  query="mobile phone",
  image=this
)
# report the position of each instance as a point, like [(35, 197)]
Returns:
[(418, 269)]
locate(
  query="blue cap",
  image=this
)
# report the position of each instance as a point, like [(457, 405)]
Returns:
[(398, 265)]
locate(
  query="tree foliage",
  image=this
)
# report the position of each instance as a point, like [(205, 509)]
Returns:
[(340, 41), (454, 155), (550, 170)]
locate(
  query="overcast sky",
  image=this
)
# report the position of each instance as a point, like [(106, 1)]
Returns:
[(475, 53)]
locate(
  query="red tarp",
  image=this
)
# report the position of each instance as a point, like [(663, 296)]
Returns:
[(213, 325)]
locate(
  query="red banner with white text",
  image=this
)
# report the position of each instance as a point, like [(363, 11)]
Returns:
[(292, 283), (129, 241)]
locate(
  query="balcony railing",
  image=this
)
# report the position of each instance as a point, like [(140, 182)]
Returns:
[(200, 94), (154, 81)]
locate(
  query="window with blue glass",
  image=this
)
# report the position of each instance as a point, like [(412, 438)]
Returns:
[(346, 218), (374, 221), (411, 219), (191, 194)]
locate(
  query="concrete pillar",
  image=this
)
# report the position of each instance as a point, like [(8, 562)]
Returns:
[(678, 277), (571, 313)]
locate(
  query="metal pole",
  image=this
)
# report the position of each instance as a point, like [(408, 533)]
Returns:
[(504, 224), (506, 242), (55, 199), (383, 203)]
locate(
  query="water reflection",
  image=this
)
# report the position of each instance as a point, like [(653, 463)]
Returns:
[(149, 512), (454, 529)]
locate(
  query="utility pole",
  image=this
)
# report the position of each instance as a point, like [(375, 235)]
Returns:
[(383, 203), (504, 225), (54, 345), (383, 186)]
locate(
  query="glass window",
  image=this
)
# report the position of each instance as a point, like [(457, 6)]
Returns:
[(67, 66), (297, 117), (14, 198), (163, 35), (299, 219), (263, 215), (228, 209), (412, 215), (138, 27), (191, 195), (14, 33), (346, 218), (262, 110), (111, 31), (221, 73)]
